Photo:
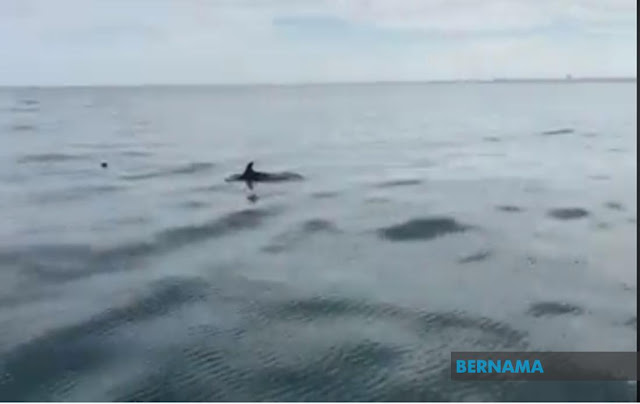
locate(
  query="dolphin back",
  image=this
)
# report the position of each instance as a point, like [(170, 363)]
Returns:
[(234, 177), (283, 176), (250, 175)]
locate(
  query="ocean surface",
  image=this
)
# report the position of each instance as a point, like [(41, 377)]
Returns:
[(432, 218)]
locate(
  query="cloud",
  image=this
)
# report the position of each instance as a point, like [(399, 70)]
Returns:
[(225, 41), (490, 15)]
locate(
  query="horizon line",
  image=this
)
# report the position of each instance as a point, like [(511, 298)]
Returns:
[(497, 80)]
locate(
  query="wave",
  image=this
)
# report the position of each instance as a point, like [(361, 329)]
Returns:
[(563, 131), (50, 158), (289, 239), (554, 309), (241, 364), (74, 194), (23, 128), (192, 168), (423, 229), (399, 183), (37, 366), (64, 263), (568, 213)]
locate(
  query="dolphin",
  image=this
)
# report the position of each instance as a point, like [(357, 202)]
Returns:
[(249, 176)]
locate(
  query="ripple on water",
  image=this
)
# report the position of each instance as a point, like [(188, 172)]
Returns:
[(319, 225), (351, 371), (50, 158), (377, 200), (192, 168), (301, 233), (369, 370), (563, 131), (541, 309), (64, 263), (398, 183), (509, 208), (115, 145), (568, 213), (237, 221), (130, 220), (23, 128), (325, 194), (38, 367), (479, 256), (604, 226), (632, 322), (423, 229), (613, 205), (21, 109), (210, 188), (313, 309), (26, 106), (136, 153), (75, 193), (194, 205), (201, 373)]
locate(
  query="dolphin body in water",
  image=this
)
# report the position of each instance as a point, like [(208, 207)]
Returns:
[(249, 176)]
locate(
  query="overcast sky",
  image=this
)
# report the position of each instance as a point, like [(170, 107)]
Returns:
[(61, 42)]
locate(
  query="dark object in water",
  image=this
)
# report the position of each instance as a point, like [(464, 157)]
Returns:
[(568, 213), (614, 205), (423, 229), (509, 208), (104, 164), (479, 256), (541, 309), (250, 176), (563, 131)]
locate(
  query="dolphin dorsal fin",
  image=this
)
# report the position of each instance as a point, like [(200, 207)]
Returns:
[(249, 168)]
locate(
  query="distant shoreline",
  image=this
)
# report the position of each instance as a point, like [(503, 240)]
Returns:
[(345, 83)]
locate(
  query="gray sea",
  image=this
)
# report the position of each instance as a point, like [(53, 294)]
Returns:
[(432, 218)]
